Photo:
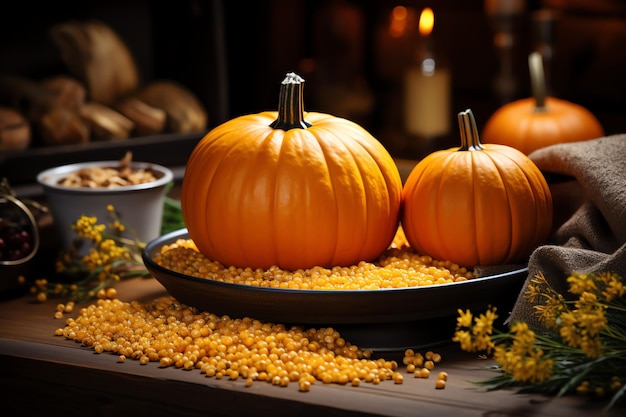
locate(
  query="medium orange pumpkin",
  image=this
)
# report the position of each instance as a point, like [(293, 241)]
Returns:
[(476, 204), (275, 189), (535, 122)]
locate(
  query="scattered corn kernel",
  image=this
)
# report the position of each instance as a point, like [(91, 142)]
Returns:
[(616, 384), (165, 362), (583, 388), (440, 384), (397, 378), (443, 376)]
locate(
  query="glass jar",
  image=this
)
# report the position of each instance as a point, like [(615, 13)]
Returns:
[(19, 240)]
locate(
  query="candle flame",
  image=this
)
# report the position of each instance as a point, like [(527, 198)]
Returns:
[(427, 21)]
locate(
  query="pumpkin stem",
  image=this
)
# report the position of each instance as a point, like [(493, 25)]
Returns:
[(469, 132), (537, 80), (291, 104)]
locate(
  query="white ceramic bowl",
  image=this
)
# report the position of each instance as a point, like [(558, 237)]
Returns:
[(140, 206)]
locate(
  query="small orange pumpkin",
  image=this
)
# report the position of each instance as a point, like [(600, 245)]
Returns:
[(535, 122), (275, 189), (476, 204)]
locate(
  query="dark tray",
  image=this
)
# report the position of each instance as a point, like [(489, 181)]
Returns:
[(376, 319)]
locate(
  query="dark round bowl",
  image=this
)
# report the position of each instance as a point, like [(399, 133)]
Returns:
[(380, 319)]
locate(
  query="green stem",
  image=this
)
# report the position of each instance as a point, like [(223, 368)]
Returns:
[(470, 140), (538, 81), (291, 104)]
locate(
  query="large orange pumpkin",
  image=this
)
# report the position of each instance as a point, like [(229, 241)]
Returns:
[(476, 204), (535, 122), (275, 189)]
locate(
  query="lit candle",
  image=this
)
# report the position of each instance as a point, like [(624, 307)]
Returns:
[(427, 89)]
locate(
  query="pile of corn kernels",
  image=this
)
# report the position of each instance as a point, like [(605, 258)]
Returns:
[(398, 267), (172, 334)]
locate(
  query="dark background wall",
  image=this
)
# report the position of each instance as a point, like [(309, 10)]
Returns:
[(233, 54)]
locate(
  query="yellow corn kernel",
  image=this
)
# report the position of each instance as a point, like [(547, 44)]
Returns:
[(397, 378)]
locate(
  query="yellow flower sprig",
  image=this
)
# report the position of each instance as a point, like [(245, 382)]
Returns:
[(581, 351), (111, 258)]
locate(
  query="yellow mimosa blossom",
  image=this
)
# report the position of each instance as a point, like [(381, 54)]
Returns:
[(88, 228), (535, 288), (483, 324), (592, 346), (580, 336), (612, 287), (118, 226), (482, 342), (464, 319), (579, 283), (464, 338), (548, 316), (523, 337), (110, 258)]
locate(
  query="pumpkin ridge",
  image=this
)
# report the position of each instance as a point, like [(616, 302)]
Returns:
[(223, 164), (337, 190), (482, 223), (191, 211), (303, 140), (413, 206), (476, 216), (443, 165), (524, 172), (541, 195), (270, 176), (505, 178), (382, 192)]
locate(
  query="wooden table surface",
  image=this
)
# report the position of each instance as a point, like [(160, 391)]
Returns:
[(47, 375)]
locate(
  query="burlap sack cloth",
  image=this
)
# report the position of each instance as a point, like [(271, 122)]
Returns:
[(590, 215)]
